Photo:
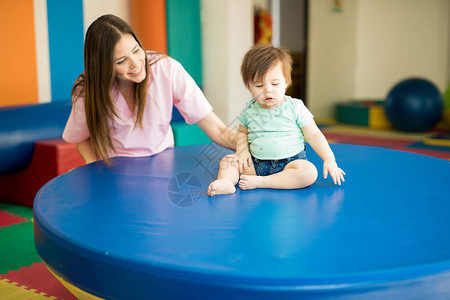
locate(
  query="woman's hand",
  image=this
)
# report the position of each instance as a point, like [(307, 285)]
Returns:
[(337, 174)]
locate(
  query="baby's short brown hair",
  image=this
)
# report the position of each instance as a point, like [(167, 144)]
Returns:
[(260, 59)]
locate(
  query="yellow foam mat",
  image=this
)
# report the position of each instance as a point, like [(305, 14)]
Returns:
[(77, 292), (12, 291), (360, 130), (436, 142)]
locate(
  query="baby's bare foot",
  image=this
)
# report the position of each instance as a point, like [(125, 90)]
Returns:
[(249, 182), (221, 186)]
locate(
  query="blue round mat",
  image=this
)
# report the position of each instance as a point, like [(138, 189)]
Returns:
[(145, 228)]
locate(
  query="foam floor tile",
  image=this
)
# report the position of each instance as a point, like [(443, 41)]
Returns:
[(39, 278)]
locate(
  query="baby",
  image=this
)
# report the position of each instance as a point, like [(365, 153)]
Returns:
[(270, 150)]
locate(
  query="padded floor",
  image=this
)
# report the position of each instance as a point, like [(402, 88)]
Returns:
[(146, 228)]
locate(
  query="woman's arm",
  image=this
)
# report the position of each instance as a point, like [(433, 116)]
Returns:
[(217, 131), (86, 151), (319, 143)]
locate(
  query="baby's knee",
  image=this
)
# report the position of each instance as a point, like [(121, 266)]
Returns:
[(311, 172), (307, 171), (227, 162)]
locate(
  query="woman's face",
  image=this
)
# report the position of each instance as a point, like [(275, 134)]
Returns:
[(129, 60)]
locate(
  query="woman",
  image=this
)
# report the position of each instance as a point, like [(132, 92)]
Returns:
[(122, 103)]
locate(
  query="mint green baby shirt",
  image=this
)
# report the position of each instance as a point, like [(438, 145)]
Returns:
[(275, 133)]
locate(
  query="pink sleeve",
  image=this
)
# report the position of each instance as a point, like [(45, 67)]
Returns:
[(188, 98), (76, 129)]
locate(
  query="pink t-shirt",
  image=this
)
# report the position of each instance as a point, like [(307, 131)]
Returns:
[(169, 85)]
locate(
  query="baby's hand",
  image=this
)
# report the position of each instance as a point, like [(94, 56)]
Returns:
[(336, 173), (243, 158)]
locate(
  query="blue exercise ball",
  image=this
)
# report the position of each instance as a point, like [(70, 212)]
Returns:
[(414, 105)]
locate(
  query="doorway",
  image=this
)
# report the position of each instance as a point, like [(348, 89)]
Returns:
[(289, 30), (293, 35)]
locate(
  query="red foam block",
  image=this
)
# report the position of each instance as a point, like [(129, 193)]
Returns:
[(50, 159)]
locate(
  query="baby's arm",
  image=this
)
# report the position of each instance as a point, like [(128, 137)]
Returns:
[(319, 143), (242, 152)]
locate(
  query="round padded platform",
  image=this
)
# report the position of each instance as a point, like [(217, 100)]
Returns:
[(145, 229)]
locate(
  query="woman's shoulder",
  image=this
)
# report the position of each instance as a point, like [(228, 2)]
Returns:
[(158, 59), (78, 92)]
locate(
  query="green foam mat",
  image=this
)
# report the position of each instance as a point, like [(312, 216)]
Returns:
[(17, 247)]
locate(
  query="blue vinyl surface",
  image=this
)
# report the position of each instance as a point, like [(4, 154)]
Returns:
[(146, 228), (22, 126)]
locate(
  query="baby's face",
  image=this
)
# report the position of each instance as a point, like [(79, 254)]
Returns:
[(269, 92)]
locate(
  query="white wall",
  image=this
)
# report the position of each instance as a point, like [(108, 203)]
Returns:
[(42, 51), (371, 45), (448, 57), (331, 56), (400, 39), (358, 53), (92, 9), (262, 4), (227, 33)]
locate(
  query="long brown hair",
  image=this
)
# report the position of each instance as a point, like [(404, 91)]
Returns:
[(96, 81)]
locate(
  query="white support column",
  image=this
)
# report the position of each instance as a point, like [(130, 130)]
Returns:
[(227, 33), (275, 11), (42, 51)]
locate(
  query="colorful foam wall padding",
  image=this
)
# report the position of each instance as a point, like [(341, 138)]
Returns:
[(18, 81), (43, 56), (173, 27), (43, 43)]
